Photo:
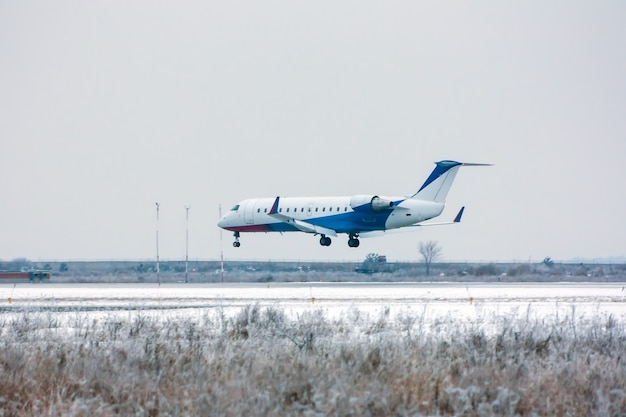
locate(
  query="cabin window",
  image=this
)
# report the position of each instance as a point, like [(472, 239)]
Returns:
[(345, 209), (316, 209), (302, 210), (323, 208), (287, 209), (330, 209), (280, 210), (258, 210), (265, 210)]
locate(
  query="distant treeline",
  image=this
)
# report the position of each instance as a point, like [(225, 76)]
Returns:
[(268, 271)]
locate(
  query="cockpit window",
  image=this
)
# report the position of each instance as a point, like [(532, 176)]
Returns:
[(235, 208)]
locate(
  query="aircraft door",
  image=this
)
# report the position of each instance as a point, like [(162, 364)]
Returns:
[(248, 211)]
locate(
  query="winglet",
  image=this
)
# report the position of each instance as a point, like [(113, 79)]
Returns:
[(457, 219), (274, 208)]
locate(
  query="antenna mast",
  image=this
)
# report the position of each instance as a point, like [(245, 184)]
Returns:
[(221, 249), (157, 244), (187, 244)]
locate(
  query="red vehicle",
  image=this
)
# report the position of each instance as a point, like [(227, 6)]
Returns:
[(26, 276)]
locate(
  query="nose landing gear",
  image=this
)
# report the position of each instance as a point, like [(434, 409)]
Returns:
[(236, 243)]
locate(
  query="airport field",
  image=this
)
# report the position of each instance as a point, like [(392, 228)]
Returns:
[(315, 339), (309, 271), (313, 349)]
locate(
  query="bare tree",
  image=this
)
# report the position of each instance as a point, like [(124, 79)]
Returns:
[(430, 251)]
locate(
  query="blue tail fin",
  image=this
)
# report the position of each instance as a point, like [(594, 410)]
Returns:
[(437, 185)]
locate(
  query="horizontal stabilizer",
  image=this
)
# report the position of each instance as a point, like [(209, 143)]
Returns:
[(411, 228), (457, 219)]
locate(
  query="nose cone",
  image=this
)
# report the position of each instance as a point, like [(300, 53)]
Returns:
[(227, 221)]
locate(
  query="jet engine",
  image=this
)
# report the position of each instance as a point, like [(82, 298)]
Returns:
[(370, 203)]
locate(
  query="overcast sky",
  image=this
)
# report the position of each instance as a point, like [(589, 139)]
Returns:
[(107, 107)]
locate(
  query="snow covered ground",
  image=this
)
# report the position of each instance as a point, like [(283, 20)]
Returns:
[(431, 300), (313, 349)]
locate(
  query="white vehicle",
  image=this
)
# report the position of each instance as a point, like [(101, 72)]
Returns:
[(357, 216)]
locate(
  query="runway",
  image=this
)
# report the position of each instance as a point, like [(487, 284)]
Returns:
[(433, 300)]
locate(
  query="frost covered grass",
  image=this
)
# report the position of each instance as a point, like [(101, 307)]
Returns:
[(260, 361)]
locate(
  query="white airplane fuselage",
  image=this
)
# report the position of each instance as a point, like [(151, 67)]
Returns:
[(360, 215), (334, 213)]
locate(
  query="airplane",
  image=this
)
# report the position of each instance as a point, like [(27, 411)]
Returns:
[(358, 216)]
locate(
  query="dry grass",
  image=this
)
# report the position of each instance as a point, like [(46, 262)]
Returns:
[(262, 363)]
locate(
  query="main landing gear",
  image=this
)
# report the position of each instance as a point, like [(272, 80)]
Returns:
[(353, 242), (325, 240), (236, 243)]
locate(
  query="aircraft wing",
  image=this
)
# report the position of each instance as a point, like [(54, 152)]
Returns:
[(300, 224)]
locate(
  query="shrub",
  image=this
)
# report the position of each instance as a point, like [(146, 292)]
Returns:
[(311, 364)]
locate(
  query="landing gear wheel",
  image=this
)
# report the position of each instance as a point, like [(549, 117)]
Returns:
[(353, 242), (236, 243), (325, 241)]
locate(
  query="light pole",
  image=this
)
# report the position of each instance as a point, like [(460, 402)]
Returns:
[(157, 244), (221, 250), (187, 244)]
